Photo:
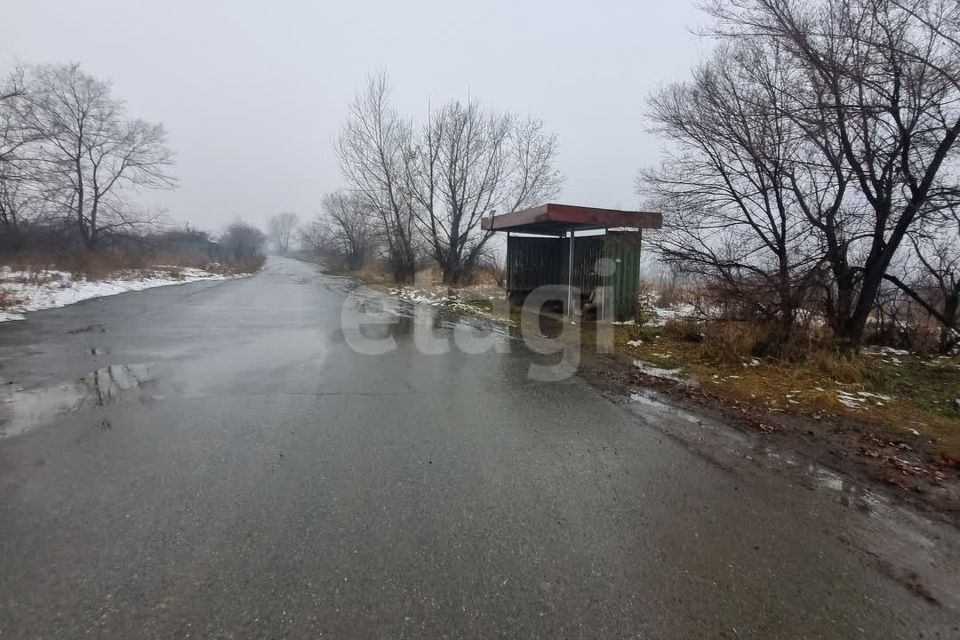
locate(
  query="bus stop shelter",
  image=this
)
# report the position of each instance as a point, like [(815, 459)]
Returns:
[(563, 245)]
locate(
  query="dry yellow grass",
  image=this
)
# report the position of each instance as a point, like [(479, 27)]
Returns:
[(901, 393), (106, 264)]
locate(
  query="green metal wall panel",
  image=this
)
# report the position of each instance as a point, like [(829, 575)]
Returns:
[(623, 248), (535, 262)]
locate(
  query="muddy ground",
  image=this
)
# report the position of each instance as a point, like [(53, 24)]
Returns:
[(904, 467)]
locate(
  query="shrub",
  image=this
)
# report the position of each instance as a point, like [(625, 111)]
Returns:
[(7, 299)]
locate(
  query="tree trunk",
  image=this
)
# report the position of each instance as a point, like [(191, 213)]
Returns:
[(451, 270), (853, 327), (948, 332)]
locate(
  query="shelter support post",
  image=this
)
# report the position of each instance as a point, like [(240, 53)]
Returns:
[(508, 266), (602, 283), (570, 278)]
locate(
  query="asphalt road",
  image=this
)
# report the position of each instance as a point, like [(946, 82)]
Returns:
[(214, 460)]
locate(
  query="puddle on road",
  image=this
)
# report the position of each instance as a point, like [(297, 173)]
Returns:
[(24, 409)]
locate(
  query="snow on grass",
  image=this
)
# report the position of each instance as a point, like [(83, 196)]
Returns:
[(418, 296), (861, 399), (677, 312), (660, 372), (48, 289), (885, 351), (476, 305)]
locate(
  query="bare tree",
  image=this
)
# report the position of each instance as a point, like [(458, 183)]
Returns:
[(468, 163), (351, 235), (21, 201), (315, 236), (931, 274), (241, 242), (92, 153), (281, 229), (12, 129), (18, 194), (371, 148), (884, 78), (734, 220)]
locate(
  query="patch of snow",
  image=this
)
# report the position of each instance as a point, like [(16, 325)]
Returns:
[(634, 343), (624, 323), (886, 351), (48, 289), (849, 401), (453, 302), (659, 372), (860, 399), (662, 314), (867, 394)]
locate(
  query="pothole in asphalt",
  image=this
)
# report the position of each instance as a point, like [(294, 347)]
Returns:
[(24, 409)]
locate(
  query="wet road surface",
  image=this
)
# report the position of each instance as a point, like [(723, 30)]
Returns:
[(213, 460)]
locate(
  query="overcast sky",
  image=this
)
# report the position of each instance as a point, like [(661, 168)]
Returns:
[(253, 93)]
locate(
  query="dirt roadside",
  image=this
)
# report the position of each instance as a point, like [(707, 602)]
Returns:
[(901, 467)]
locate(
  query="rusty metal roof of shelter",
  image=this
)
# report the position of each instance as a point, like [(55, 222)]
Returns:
[(556, 219)]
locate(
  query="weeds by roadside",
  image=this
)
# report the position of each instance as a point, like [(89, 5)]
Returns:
[(901, 392), (7, 299)]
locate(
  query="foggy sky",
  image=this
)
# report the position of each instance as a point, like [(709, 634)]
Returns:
[(253, 93)]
